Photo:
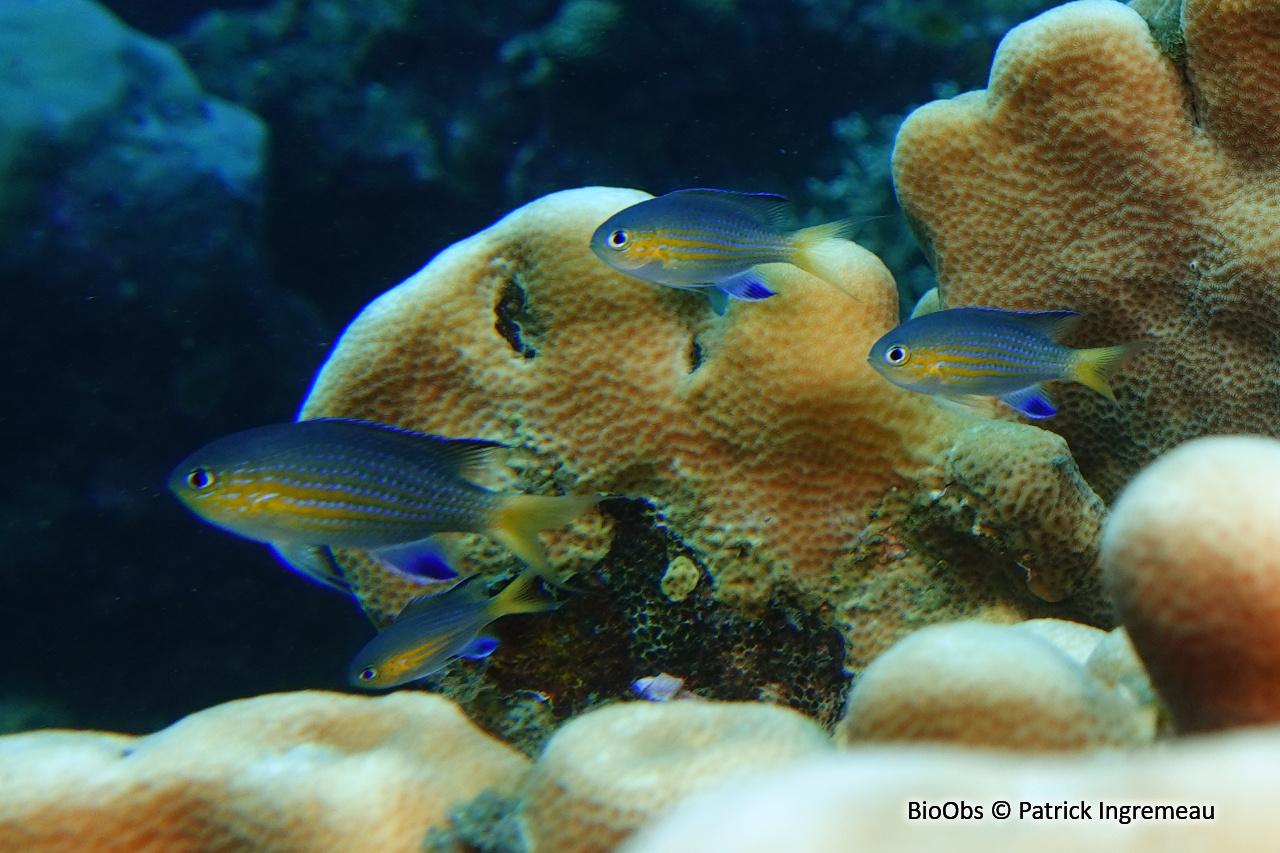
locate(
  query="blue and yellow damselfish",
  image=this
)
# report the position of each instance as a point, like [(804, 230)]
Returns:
[(309, 486), (434, 630), (713, 240), (989, 352)]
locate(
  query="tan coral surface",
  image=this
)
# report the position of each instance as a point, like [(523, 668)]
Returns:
[(763, 439), (609, 772), (303, 772), (1022, 686), (1096, 174), (859, 801), (1192, 553)]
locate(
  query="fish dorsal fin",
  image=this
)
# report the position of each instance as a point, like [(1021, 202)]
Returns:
[(462, 457), (773, 209), (468, 588), (1052, 324)]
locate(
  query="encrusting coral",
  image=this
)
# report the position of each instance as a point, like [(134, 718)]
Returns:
[(763, 440), (609, 772), (1023, 686), (1098, 174), (284, 773), (1192, 555)]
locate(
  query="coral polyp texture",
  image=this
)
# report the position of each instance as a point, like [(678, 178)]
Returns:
[(288, 772), (773, 457), (1192, 554), (1098, 174)]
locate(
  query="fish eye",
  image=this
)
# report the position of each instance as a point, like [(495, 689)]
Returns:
[(200, 479), (368, 674), (897, 354), (618, 239)]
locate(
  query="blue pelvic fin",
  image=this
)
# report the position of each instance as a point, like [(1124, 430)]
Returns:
[(315, 562), (747, 286), (718, 299), (422, 559), (479, 648), (1034, 402)]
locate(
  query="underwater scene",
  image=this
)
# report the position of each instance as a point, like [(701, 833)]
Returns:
[(594, 425)]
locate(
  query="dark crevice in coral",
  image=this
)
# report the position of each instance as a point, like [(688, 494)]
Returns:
[(510, 313), (695, 355), (620, 627)]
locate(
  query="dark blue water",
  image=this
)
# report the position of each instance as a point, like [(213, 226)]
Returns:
[(192, 213)]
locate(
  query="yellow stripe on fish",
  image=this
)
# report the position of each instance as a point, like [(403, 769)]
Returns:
[(990, 352)]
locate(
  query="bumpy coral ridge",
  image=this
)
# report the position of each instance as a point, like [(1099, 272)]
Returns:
[(286, 773), (1097, 174), (607, 773), (764, 440), (1023, 686)]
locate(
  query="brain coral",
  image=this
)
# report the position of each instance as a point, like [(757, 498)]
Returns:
[(1098, 174), (763, 440), (287, 773), (1192, 553)]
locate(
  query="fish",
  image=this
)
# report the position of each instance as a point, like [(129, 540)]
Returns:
[(307, 487), (990, 352), (714, 240), (433, 630)]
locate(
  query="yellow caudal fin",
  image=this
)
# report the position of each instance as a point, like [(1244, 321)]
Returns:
[(1095, 367), (522, 595), (819, 250), (520, 517)]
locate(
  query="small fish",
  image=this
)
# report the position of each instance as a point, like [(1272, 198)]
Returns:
[(310, 486), (713, 239), (434, 630), (990, 352)]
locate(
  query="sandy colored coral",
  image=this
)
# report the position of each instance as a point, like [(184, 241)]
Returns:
[(1192, 552), (1097, 174), (285, 773), (606, 773), (1006, 686), (858, 801), (763, 439)]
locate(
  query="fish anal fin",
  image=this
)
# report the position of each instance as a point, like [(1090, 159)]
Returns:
[(747, 286), (423, 559), (1034, 402), (479, 648)]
